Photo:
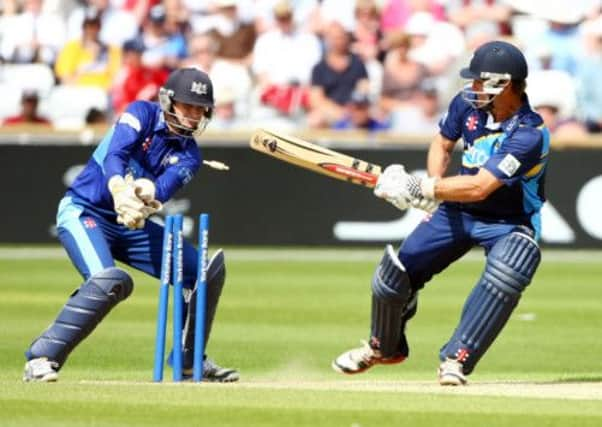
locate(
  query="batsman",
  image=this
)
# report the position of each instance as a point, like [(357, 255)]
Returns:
[(494, 203), (144, 159)]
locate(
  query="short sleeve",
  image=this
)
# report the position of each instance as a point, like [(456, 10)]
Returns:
[(450, 125), (518, 154)]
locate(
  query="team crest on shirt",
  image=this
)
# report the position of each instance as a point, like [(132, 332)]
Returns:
[(170, 159), (146, 144), (472, 122), (89, 223)]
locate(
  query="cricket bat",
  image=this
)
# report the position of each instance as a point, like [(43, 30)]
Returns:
[(315, 157)]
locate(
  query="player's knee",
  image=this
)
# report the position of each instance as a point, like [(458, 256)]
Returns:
[(114, 282), (390, 281), (512, 262)]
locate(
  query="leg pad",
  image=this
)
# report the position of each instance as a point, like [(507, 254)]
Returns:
[(216, 277), (511, 264), (86, 307), (391, 292)]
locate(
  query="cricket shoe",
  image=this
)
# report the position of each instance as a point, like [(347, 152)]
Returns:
[(451, 373), (212, 372), (41, 370), (362, 358)]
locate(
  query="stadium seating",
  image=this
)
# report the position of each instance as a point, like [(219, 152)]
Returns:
[(38, 77), (11, 97), (67, 106)]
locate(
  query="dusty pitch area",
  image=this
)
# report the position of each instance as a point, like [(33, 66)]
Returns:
[(538, 390), (551, 390)]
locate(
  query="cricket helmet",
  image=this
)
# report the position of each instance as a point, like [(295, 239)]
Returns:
[(188, 86), (496, 64)]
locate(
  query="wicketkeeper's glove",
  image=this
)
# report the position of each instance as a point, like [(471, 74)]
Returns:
[(133, 201)]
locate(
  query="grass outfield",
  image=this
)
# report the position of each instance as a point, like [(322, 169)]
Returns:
[(284, 315)]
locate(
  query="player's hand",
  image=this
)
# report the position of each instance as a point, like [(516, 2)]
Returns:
[(145, 190), (403, 190), (426, 204), (134, 200), (392, 186), (125, 200), (131, 219)]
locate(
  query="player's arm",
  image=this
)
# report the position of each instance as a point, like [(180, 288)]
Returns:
[(174, 178), (439, 155), (127, 134), (517, 157), (466, 188)]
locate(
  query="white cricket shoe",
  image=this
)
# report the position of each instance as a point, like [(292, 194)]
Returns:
[(41, 370), (451, 373), (362, 358)]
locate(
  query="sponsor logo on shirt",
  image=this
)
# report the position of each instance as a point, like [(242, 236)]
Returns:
[(169, 159), (509, 165)]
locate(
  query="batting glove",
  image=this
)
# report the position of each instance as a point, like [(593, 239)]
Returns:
[(403, 190)]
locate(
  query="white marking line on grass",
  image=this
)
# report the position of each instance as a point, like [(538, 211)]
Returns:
[(307, 254), (526, 389)]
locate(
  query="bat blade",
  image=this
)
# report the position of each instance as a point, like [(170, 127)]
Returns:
[(315, 157)]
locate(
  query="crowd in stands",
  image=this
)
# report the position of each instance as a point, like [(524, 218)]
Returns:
[(376, 65)]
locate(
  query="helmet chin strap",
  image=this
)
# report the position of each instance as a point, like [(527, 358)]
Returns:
[(176, 126), (483, 99)]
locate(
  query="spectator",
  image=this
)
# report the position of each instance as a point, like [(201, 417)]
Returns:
[(434, 44), (236, 38), (95, 117), (559, 46), (306, 15), (227, 76), (420, 116), (135, 81), (162, 48), (285, 80), (396, 13), (225, 114), (117, 25), (87, 61), (339, 11), (359, 115), (32, 36), (588, 79), (29, 111), (367, 42), (177, 17), (334, 78), (367, 35), (553, 95), (479, 16), (402, 76)]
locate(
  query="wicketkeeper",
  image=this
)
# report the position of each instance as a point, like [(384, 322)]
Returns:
[(494, 203), (145, 158)]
